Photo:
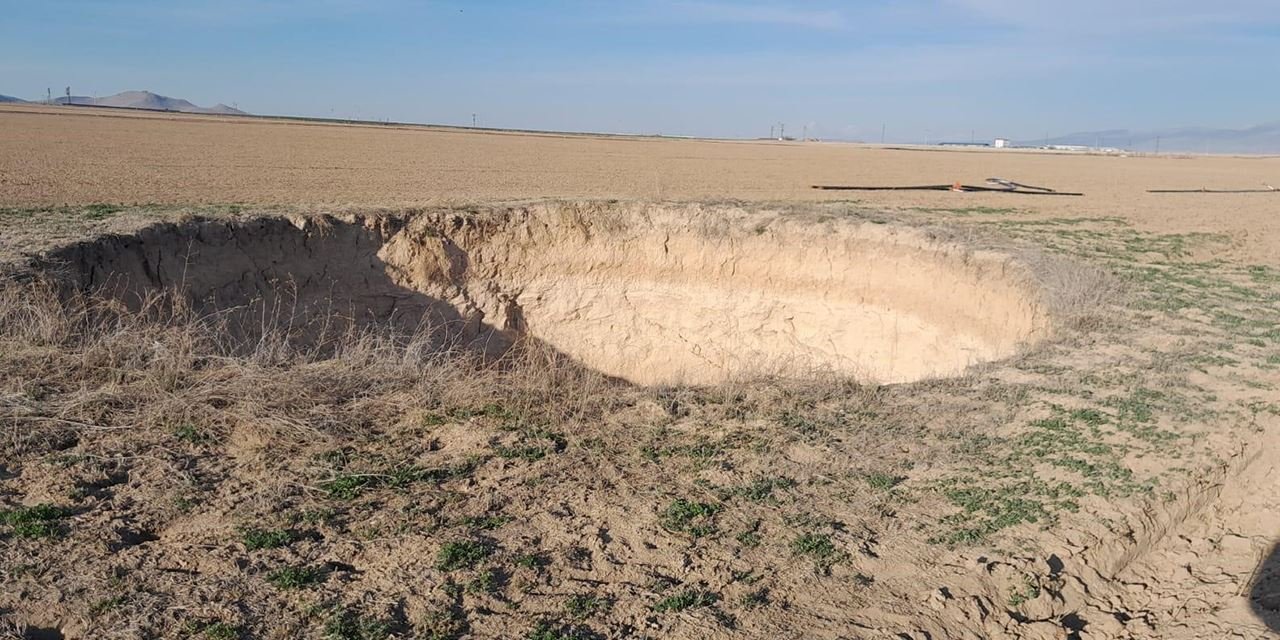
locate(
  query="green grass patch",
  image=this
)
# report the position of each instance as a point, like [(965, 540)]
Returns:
[(687, 599), (212, 630), (696, 519), (582, 607), (461, 554), (39, 521), (255, 539), (296, 577), (347, 624), (819, 548)]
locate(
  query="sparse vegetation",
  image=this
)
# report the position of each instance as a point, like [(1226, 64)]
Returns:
[(586, 606), (296, 576), (212, 630), (461, 554), (39, 521), (686, 599), (696, 519), (255, 539), (818, 548), (347, 624)]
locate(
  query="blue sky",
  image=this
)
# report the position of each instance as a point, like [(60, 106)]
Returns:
[(922, 68)]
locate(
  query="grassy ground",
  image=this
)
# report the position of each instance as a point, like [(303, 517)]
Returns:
[(152, 483)]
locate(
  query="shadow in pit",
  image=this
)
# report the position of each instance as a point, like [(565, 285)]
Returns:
[(270, 278), (1264, 589)]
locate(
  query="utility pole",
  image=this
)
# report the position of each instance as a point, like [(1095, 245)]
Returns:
[(805, 135), (1157, 145), (473, 120), (782, 131), (48, 95), (68, 95), (772, 128)]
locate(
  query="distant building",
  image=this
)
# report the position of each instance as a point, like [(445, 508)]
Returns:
[(1002, 143)]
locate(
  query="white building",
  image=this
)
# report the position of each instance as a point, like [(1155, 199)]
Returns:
[(1001, 143)]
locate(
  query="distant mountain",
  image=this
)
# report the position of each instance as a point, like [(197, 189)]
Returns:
[(148, 100), (1262, 139), (10, 99)]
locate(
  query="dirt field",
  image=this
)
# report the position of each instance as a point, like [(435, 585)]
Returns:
[(361, 383), (50, 157)]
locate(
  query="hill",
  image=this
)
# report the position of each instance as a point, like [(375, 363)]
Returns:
[(148, 100), (1261, 139)]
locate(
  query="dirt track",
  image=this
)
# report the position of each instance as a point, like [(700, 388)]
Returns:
[(55, 156)]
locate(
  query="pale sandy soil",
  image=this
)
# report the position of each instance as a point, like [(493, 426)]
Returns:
[(53, 156)]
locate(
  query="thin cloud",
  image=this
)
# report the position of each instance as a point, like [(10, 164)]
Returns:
[(776, 14), (1108, 17)]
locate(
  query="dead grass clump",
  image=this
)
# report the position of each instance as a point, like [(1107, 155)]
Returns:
[(1080, 296), (78, 361)]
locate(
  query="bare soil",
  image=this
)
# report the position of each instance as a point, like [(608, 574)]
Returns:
[(58, 156)]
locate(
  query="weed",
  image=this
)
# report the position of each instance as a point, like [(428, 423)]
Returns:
[(755, 599), (582, 607), (1029, 591), (440, 625), (486, 522), (350, 625), (534, 444), (882, 481), (546, 630), (102, 606), (296, 577), (39, 521), (687, 599), (750, 537), (255, 539), (762, 489), (819, 548), (693, 518), (988, 510), (212, 630), (488, 581), (101, 211), (346, 486), (530, 561), (314, 516), (461, 554), (491, 410), (190, 433)]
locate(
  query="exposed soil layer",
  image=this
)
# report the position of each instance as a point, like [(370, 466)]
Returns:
[(652, 295)]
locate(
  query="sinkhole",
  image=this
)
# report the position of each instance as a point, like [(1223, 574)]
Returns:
[(654, 294)]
